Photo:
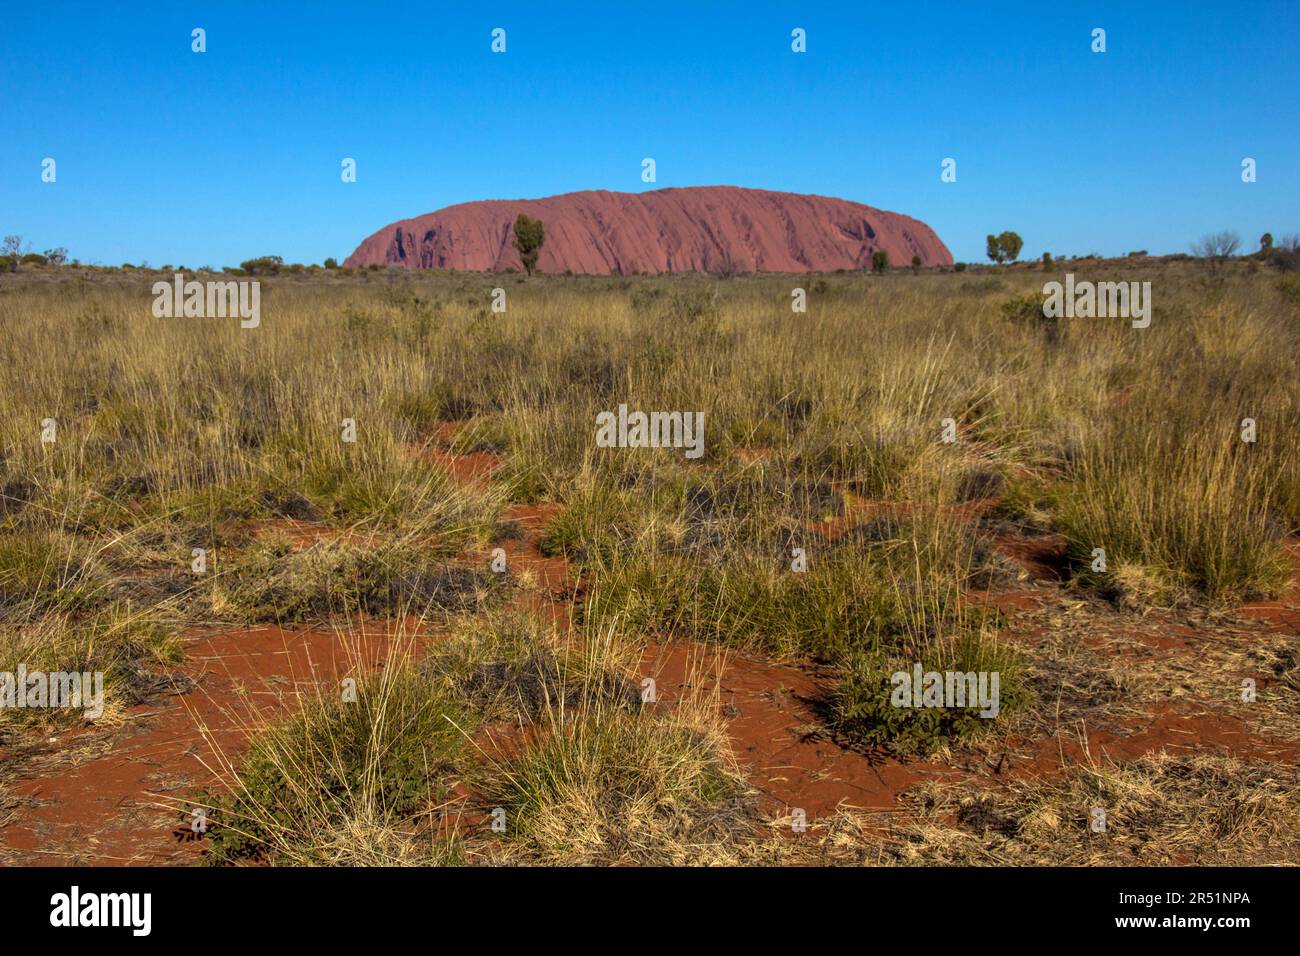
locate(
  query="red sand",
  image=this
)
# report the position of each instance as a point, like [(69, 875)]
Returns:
[(122, 804)]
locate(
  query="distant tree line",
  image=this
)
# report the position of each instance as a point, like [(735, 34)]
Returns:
[(14, 252), (1213, 249)]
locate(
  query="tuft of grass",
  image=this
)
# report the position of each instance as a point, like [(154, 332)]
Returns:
[(509, 665), (1177, 518), (43, 570), (131, 648), (607, 786), (320, 787), (749, 602), (273, 582)]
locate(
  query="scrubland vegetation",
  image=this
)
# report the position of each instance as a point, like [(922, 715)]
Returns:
[(824, 433)]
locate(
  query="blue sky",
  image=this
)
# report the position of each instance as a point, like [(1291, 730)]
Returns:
[(168, 156)]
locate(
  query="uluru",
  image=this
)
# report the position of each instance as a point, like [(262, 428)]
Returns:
[(690, 229)]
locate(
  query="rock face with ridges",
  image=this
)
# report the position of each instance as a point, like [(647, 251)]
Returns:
[(696, 229)]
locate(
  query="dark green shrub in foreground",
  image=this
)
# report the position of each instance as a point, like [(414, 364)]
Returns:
[(861, 711)]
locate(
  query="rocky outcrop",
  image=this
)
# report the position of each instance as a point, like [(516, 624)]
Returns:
[(696, 229)]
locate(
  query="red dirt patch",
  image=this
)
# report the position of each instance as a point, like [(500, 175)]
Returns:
[(1043, 556), (110, 806), (769, 716), (474, 468)]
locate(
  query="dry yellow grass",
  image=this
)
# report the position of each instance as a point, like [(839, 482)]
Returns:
[(175, 434)]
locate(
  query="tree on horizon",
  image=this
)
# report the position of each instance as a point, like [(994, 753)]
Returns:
[(1004, 248)]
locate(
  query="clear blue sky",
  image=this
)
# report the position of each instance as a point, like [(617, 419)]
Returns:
[(168, 156)]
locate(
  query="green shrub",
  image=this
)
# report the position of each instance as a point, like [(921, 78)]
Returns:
[(863, 711)]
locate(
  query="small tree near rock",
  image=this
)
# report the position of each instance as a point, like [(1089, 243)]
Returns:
[(1011, 244), (880, 261), (529, 236), (1004, 247)]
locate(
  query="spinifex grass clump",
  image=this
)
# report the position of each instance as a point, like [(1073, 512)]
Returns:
[(747, 602), (509, 665), (599, 519), (609, 787), (601, 776), (44, 569), (339, 772), (65, 609), (132, 650), (1177, 517), (604, 779), (272, 581)]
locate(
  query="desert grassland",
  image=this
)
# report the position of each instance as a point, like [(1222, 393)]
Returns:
[(822, 432)]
